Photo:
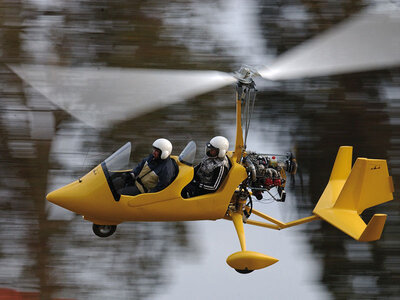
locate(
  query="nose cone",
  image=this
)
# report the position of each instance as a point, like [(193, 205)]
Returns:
[(56, 196), (63, 196), (90, 195)]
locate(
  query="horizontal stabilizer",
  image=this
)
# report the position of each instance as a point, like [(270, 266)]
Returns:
[(349, 193)]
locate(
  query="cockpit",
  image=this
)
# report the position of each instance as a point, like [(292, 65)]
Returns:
[(118, 171)]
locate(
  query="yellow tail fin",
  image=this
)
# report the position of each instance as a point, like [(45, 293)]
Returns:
[(350, 191)]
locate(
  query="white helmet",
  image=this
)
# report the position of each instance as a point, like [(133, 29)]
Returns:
[(221, 144), (164, 146)]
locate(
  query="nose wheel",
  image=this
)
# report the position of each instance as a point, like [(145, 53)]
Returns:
[(245, 271), (104, 230)]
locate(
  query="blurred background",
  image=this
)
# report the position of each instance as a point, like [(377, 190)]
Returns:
[(43, 147)]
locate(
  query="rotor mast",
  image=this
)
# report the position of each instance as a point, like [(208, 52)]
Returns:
[(245, 93), (239, 146)]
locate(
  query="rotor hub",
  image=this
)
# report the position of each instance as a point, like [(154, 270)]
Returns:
[(245, 74)]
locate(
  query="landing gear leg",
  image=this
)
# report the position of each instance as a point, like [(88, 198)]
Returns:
[(104, 230), (282, 194)]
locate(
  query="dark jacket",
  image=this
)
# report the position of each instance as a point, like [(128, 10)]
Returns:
[(210, 173), (165, 169)]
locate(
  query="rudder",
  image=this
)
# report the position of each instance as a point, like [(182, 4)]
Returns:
[(368, 184)]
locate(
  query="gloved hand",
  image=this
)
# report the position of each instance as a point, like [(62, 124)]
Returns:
[(133, 177), (129, 178)]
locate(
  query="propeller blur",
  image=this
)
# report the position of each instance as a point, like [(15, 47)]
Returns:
[(364, 42), (102, 96)]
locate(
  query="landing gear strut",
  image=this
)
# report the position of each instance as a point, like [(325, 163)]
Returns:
[(104, 230)]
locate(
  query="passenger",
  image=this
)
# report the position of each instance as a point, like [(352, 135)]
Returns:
[(153, 173), (211, 171)]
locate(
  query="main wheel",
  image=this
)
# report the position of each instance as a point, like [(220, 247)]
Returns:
[(104, 230)]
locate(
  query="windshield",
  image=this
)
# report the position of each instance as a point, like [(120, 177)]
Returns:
[(188, 154), (120, 159)]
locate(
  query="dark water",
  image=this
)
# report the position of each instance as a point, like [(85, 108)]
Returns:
[(43, 147)]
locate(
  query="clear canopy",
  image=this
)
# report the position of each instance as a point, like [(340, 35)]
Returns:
[(119, 160), (188, 154)]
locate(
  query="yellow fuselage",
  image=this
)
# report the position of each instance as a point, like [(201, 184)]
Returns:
[(91, 197)]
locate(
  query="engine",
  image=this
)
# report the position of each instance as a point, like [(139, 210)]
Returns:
[(267, 171)]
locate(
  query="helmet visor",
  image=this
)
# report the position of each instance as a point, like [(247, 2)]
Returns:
[(211, 151)]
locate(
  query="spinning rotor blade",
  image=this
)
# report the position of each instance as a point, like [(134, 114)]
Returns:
[(100, 96), (368, 41)]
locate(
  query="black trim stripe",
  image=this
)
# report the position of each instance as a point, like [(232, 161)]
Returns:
[(109, 181)]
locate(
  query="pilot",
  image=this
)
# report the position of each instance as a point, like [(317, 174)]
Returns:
[(153, 173), (211, 171)]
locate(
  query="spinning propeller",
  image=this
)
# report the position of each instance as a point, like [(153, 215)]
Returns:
[(102, 96)]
